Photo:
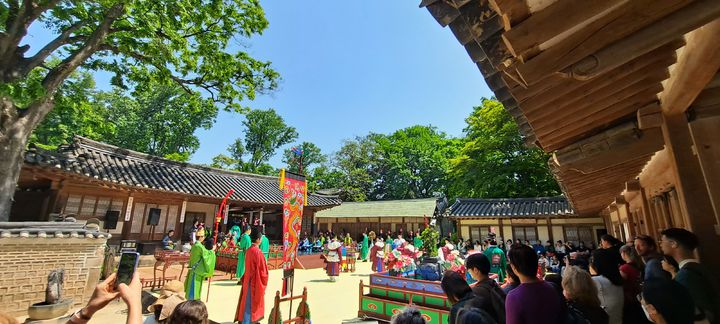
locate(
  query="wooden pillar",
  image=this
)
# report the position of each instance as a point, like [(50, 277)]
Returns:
[(550, 231), (705, 133), (650, 226), (502, 231), (692, 188)]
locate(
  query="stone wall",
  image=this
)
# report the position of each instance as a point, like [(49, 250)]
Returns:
[(25, 263)]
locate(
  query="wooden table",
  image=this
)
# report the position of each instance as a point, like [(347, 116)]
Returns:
[(166, 258)]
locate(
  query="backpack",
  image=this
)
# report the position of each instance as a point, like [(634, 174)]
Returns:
[(496, 297), (575, 316), (429, 271)]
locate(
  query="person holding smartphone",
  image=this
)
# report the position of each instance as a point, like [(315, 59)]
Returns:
[(108, 290)]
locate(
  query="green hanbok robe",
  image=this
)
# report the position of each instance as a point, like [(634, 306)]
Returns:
[(235, 231), (244, 245), (265, 246), (417, 242), (364, 247), (498, 263), (202, 265)]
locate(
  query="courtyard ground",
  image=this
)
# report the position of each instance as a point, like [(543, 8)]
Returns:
[(330, 302)]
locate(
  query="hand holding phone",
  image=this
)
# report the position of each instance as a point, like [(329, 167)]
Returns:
[(126, 268)]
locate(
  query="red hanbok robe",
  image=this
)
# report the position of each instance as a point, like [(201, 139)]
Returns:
[(251, 306)]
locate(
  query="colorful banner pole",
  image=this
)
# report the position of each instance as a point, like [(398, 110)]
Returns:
[(217, 223), (294, 192)]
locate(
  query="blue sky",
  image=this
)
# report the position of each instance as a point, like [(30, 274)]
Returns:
[(353, 67)]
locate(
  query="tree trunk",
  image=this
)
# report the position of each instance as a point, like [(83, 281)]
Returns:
[(14, 135)]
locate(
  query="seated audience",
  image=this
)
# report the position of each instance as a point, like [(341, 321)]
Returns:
[(171, 295), (469, 315), (606, 275), (459, 293), (582, 297), (534, 301), (702, 285), (408, 315)]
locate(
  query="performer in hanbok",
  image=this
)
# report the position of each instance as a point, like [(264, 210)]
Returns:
[(377, 256), (333, 259), (236, 232), (244, 245), (364, 248), (251, 305), (497, 259), (201, 266), (444, 251), (265, 245)]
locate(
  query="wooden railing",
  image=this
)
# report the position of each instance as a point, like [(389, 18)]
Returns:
[(302, 315)]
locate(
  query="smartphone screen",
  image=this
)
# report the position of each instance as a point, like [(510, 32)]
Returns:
[(126, 268)]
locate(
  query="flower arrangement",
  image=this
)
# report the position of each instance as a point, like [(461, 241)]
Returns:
[(454, 262), (399, 263)]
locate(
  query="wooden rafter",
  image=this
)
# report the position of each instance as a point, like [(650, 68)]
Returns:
[(616, 24), (544, 24), (697, 64), (511, 11)]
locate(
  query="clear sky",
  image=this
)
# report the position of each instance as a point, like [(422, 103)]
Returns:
[(353, 67)]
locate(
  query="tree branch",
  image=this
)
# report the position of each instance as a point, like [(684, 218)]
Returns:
[(17, 29), (57, 75), (63, 39)]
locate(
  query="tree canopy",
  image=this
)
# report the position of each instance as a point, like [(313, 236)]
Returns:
[(494, 162)]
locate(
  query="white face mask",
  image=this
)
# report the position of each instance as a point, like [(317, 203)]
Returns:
[(644, 308)]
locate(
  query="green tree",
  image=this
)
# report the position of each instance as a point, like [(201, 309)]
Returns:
[(311, 155), (265, 131), (325, 176), (494, 162), (75, 113), (159, 120), (415, 163), (141, 42)]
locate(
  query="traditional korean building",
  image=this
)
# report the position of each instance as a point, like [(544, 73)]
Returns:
[(541, 218), (625, 95), (90, 179), (388, 215)]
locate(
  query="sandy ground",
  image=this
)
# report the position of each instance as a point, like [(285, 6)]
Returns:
[(330, 302)]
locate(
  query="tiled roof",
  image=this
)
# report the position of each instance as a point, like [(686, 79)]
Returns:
[(49, 230), (113, 164), (382, 208), (511, 207)]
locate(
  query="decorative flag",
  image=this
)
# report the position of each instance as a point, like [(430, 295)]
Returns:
[(294, 194)]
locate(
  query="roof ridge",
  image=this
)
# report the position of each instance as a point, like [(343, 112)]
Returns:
[(127, 153), (513, 199), (388, 201)]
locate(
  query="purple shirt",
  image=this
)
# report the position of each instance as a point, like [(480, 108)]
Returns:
[(537, 303)]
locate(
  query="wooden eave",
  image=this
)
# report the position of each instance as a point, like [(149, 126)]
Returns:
[(570, 72)]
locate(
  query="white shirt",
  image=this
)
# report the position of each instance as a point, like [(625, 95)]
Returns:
[(611, 297), (682, 263)]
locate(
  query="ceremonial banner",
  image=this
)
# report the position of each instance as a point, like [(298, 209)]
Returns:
[(294, 191)]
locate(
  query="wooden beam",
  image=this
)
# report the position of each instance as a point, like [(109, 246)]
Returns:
[(609, 150), (589, 124), (570, 90), (616, 24), (633, 185), (705, 133), (649, 116), (544, 24), (511, 11), (697, 65), (647, 39)]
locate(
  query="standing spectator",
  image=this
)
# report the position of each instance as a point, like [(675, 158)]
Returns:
[(607, 278), (478, 266), (582, 297), (703, 287), (560, 248), (459, 293), (470, 315), (647, 249), (189, 312), (667, 301), (631, 272), (512, 281), (534, 301), (670, 265), (549, 247), (609, 242)]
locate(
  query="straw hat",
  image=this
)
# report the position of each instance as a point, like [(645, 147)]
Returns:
[(171, 295)]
